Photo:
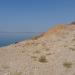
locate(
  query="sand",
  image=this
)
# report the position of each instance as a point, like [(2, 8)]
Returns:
[(51, 54)]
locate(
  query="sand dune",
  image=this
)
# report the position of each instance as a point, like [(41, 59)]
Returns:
[(51, 54)]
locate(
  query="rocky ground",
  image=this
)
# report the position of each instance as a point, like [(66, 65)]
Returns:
[(51, 54)]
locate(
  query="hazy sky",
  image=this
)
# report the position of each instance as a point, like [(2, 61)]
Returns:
[(35, 15)]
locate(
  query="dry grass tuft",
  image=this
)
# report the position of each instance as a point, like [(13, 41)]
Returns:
[(48, 54), (37, 51), (67, 64), (37, 37), (43, 59), (73, 49), (73, 39)]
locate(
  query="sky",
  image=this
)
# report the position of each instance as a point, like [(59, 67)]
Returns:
[(35, 15)]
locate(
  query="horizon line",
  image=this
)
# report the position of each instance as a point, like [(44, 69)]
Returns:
[(18, 32)]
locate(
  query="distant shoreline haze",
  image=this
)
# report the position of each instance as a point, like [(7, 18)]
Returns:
[(7, 38)]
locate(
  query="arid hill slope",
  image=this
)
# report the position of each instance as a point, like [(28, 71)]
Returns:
[(51, 54)]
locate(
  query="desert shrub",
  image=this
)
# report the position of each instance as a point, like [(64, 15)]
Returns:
[(48, 54), (65, 45), (73, 49), (37, 51), (67, 64), (47, 49), (73, 39), (43, 59)]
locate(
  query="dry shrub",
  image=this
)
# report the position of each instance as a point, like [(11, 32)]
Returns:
[(43, 59), (67, 64)]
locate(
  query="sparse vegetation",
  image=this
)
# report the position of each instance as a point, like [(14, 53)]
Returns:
[(63, 37), (35, 37), (15, 73), (43, 59), (48, 54), (73, 39), (37, 52), (47, 49), (38, 36), (23, 51), (27, 44), (34, 58), (5, 67), (67, 64), (73, 49), (65, 46)]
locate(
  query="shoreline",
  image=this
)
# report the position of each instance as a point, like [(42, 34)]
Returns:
[(51, 54), (15, 40)]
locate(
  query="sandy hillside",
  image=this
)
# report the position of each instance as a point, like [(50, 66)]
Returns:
[(51, 54)]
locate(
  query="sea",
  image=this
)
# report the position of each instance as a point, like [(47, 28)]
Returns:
[(7, 38)]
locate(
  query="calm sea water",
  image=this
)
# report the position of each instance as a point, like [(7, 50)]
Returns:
[(10, 38)]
